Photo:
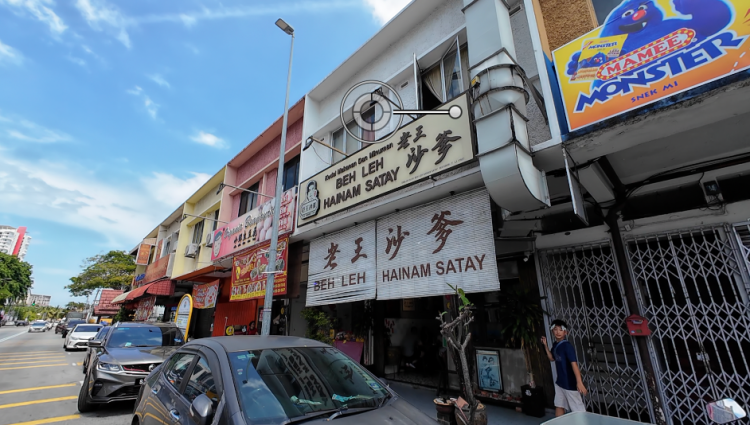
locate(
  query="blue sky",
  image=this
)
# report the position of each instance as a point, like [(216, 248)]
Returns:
[(113, 113)]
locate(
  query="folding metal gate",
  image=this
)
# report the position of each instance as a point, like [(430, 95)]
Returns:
[(583, 287), (692, 286)]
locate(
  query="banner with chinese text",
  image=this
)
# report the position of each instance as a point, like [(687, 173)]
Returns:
[(422, 250), (248, 272), (205, 295), (649, 51), (342, 266)]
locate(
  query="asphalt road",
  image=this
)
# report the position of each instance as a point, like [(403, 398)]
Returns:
[(40, 382)]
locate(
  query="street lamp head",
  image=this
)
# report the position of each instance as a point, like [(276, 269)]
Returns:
[(221, 187), (284, 26)]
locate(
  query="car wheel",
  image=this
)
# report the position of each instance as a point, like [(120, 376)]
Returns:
[(84, 406), (29, 330), (65, 347)]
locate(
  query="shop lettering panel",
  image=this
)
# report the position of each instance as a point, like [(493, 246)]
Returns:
[(342, 266), (422, 250)]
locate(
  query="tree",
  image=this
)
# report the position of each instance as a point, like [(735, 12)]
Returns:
[(15, 277), (74, 306), (113, 270)]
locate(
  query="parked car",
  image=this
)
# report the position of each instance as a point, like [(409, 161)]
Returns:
[(78, 338), (50, 324), (268, 380), (22, 323), (126, 355), (93, 351), (38, 326), (70, 324)]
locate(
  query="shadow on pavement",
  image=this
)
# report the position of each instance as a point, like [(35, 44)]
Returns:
[(112, 409)]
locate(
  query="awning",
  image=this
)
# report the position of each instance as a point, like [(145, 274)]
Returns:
[(164, 286), (121, 298), (200, 275)]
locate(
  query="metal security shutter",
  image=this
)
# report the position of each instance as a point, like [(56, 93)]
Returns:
[(422, 268), (335, 265)]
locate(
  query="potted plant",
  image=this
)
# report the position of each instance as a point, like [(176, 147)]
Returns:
[(319, 325), (457, 333)]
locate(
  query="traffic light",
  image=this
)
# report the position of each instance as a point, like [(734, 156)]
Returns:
[(33, 303)]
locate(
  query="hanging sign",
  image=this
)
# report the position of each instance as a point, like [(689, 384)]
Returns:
[(144, 309), (647, 51), (254, 227), (184, 313), (342, 266), (249, 272), (431, 145), (422, 250), (205, 295), (144, 252)]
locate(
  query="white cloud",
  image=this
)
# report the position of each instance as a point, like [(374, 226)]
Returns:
[(158, 79), (77, 61), (71, 194), (15, 128), (208, 139), (101, 16), (384, 10), (192, 48), (10, 55), (38, 9), (151, 107)]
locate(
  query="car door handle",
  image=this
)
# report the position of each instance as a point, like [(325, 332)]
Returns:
[(174, 414)]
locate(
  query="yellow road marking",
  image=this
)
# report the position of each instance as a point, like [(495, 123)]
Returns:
[(59, 359), (47, 400), (20, 390), (48, 420), (29, 367)]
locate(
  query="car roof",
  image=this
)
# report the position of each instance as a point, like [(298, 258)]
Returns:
[(144, 324), (236, 343)]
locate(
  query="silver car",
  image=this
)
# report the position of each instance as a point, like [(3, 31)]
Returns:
[(123, 359), (38, 326)]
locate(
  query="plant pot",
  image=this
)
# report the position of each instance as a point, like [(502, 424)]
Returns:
[(480, 416), (445, 412)]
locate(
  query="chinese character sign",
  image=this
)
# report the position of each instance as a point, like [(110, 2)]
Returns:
[(254, 227), (342, 266), (249, 272), (422, 250), (431, 145), (647, 51)]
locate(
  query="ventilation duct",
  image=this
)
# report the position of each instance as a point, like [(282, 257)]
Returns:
[(500, 99)]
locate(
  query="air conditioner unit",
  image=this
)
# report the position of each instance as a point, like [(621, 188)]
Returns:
[(191, 250), (209, 239)]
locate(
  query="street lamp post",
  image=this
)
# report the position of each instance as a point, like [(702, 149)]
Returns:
[(273, 249)]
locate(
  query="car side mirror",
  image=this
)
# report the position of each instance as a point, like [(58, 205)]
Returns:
[(202, 410), (95, 343), (725, 411)]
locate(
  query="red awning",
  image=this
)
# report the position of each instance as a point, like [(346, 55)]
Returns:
[(163, 286)]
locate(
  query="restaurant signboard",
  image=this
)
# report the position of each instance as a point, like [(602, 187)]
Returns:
[(249, 272)]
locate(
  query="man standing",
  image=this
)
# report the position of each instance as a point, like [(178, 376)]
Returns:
[(569, 385)]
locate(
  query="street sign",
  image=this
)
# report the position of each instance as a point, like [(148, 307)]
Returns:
[(184, 313)]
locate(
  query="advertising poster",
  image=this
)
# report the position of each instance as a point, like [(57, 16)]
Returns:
[(184, 313), (647, 51), (248, 277), (145, 306), (144, 253), (488, 370), (205, 295), (254, 227)]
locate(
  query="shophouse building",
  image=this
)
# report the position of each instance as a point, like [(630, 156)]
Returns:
[(240, 245)]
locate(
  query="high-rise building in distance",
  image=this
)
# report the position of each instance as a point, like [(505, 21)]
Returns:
[(14, 241)]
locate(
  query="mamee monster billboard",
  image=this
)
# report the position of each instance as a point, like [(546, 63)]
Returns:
[(648, 50)]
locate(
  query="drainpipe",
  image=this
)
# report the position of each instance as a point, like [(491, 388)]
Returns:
[(499, 108)]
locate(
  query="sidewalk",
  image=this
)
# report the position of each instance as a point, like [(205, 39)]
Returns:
[(421, 398)]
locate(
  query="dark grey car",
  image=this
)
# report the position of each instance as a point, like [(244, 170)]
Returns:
[(267, 380), (118, 363)]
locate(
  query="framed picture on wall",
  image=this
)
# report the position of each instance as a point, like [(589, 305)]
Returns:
[(488, 370)]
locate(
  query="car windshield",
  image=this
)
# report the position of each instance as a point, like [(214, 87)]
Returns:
[(288, 383), (144, 336), (86, 328), (73, 323)]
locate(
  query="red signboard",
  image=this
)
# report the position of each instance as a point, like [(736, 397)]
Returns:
[(254, 227), (249, 272), (204, 296), (144, 252), (157, 269)]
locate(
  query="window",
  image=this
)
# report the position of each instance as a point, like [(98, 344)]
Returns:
[(166, 247), (102, 333), (176, 369), (198, 232), (216, 222), (291, 173), (447, 79), (201, 382), (145, 336), (342, 141), (248, 200)]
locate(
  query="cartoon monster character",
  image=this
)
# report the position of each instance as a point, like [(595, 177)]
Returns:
[(644, 21)]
